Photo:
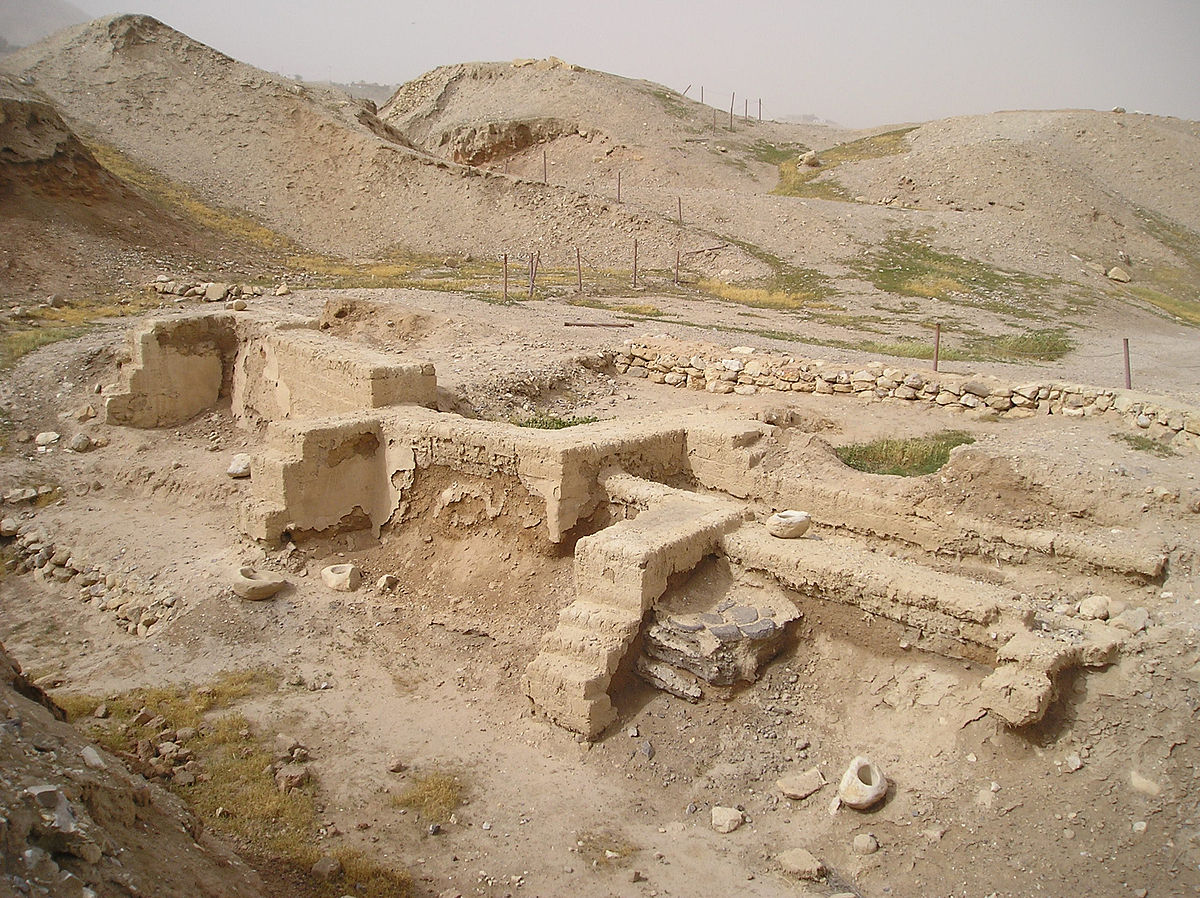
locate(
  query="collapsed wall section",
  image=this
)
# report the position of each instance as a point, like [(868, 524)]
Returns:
[(268, 368)]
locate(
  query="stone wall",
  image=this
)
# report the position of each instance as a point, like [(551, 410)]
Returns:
[(722, 371)]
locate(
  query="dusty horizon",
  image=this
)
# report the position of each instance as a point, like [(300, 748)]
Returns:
[(859, 64)]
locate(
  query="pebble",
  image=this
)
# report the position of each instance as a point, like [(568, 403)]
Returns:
[(47, 438), (799, 786), (865, 843)]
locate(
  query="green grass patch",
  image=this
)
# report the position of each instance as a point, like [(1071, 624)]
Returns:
[(237, 796), (546, 421), (912, 457), (788, 287), (673, 103), (1143, 443), (796, 179), (776, 154), (1036, 346), (904, 266), (1186, 310), (641, 310)]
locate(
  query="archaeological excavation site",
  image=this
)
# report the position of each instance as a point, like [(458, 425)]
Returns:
[(353, 550)]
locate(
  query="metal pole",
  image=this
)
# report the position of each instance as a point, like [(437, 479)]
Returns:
[(746, 109), (937, 344), (676, 268), (1128, 382), (760, 109), (545, 176), (701, 94), (679, 206), (578, 269), (532, 274), (506, 277), (635, 262), (731, 96)]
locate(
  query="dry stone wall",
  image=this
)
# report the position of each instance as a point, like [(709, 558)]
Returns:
[(723, 371)]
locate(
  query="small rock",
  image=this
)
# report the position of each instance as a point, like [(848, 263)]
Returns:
[(799, 786), (863, 784), (216, 292), (81, 442), (1073, 762), (291, 776), (101, 711), (1144, 785), (637, 876), (92, 758), (397, 766), (342, 577), (802, 863), (47, 438), (865, 843), (285, 746), (327, 868), (9, 527), (239, 466), (1118, 274), (789, 524), (1132, 619), (646, 750), (282, 290), (1094, 608), (387, 583), (726, 820)]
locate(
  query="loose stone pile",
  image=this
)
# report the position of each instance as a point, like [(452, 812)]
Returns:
[(139, 608), (209, 291), (746, 372)]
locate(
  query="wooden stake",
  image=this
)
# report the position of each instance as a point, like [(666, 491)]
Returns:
[(618, 185), (746, 110), (937, 344), (635, 262), (731, 96), (714, 124), (760, 109), (506, 277), (1128, 381), (578, 269), (545, 176), (685, 90), (532, 275), (702, 94), (679, 207), (676, 268)]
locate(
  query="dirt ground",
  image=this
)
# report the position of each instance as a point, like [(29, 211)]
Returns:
[(431, 674)]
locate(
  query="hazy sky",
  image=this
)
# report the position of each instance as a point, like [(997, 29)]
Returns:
[(859, 63)]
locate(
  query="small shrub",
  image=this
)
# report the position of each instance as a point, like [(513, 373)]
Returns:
[(1143, 443), (904, 458), (434, 795), (546, 421)]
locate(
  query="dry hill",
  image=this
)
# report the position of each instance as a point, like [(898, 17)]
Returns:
[(316, 166)]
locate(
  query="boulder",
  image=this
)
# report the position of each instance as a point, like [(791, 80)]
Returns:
[(342, 577), (216, 292), (863, 784), (253, 586), (789, 524), (1118, 274)]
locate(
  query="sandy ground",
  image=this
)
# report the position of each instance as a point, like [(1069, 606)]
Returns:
[(431, 674)]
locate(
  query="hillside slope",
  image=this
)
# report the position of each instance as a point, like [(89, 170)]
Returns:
[(316, 166), (69, 222)]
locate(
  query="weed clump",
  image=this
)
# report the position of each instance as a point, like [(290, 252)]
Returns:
[(911, 457)]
